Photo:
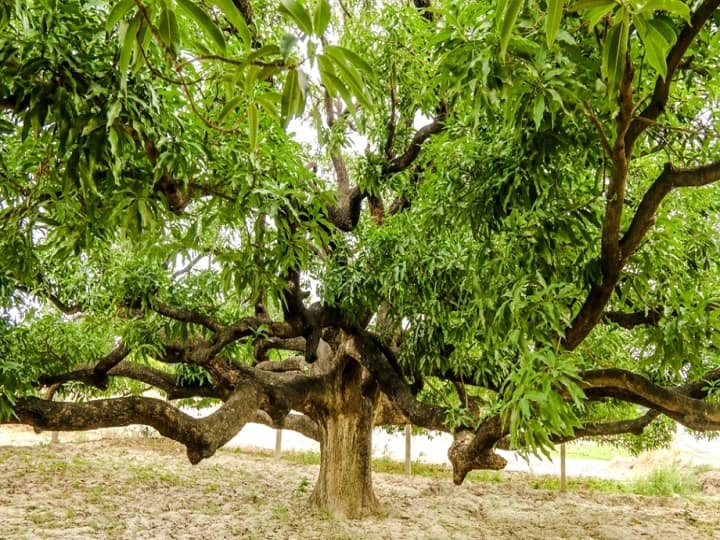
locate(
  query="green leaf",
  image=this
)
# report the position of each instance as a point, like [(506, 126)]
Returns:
[(508, 23), (128, 46), (236, 18), (552, 20), (287, 45), (677, 7), (614, 50), (355, 59), (269, 101), (118, 11), (591, 4), (290, 91), (538, 110), (656, 48), (321, 17), (229, 106), (252, 125), (168, 29), (204, 21), (349, 73), (595, 9), (665, 27), (298, 14), (267, 50), (335, 86)]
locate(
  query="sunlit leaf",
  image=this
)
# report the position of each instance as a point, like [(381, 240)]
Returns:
[(321, 17), (552, 20), (204, 21), (298, 14), (236, 18)]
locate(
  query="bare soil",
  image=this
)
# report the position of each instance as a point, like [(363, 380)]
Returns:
[(146, 489)]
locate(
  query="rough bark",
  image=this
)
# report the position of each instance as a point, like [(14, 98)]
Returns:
[(344, 484)]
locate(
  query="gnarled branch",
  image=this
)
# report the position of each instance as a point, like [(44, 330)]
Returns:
[(201, 436)]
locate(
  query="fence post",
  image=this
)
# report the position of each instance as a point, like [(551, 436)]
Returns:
[(408, 438), (278, 443), (563, 478)]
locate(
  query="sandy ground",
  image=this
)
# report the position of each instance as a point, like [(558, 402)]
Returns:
[(146, 489)]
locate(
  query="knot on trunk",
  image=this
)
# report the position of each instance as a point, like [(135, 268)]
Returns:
[(466, 454)]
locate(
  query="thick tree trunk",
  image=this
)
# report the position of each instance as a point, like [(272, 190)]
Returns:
[(344, 485)]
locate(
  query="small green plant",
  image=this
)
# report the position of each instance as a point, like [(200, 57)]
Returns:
[(302, 488), (668, 481)]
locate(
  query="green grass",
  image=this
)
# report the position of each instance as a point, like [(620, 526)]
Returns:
[(660, 481), (668, 481)]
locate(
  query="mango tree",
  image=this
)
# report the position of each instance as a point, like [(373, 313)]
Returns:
[(504, 224)]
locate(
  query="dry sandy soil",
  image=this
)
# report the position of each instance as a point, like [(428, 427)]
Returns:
[(146, 489)]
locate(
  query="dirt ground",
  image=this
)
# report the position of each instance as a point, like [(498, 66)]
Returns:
[(146, 489)]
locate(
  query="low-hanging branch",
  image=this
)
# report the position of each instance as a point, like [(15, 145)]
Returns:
[(692, 412), (201, 436)]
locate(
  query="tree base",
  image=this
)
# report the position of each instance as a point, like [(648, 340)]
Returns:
[(344, 485)]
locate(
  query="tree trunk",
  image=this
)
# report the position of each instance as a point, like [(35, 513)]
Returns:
[(344, 485)]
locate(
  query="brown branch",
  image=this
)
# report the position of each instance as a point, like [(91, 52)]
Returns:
[(668, 180), (590, 113), (295, 422), (294, 363), (67, 309), (591, 311), (201, 436), (346, 214), (635, 426), (692, 412), (631, 320), (661, 92), (186, 315), (403, 161), (108, 362), (615, 196), (474, 449), (162, 380), (368, 351)]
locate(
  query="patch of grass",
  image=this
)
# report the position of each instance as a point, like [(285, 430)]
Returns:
[(668, 481), (381, 465), (300, 491), (211, 509), (658, 482), (494, 477), (280, 512), (42, 518), (147, 475), (585, 483), (211, 488)]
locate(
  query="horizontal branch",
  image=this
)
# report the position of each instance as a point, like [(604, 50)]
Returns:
[(67, 309), (294, 363), (201, 436), (186, 315), (636, 318), (299, 423), (676, 403), (635, 426)]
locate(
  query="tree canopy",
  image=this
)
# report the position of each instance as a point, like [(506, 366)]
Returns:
[(496, 219)]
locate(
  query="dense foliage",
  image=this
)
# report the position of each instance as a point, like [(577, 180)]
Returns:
[(503, 216)]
